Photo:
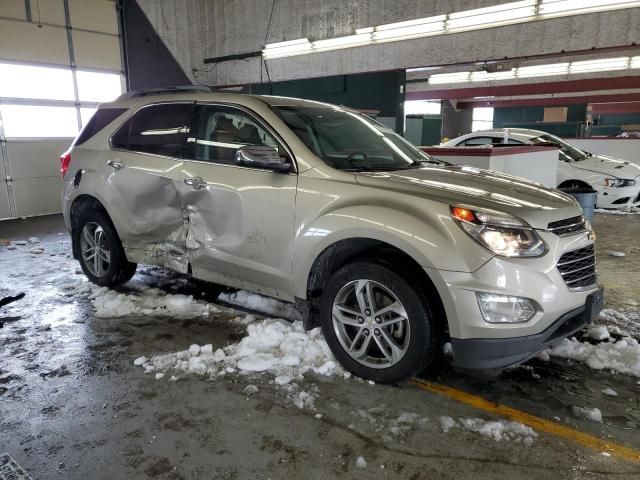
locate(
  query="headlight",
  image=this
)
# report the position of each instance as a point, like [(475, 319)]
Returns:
[(619, 182), (501, 233)]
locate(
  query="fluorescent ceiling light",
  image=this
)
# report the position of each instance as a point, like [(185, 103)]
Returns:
[(411, 23), (600, 65), (489, 76), (476, 19), (635, 62), (456, 77), (564, 7), (543, 70), (492, 16), (348, 41), (288, 48), (412, 31)]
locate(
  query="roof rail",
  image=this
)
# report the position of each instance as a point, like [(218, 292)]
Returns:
[(165, 91)]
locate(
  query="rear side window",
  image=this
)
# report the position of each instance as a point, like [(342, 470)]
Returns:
[(158, 129), (102, 118), (476, 141)]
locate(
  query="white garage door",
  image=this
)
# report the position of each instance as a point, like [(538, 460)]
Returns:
[(58, 60)]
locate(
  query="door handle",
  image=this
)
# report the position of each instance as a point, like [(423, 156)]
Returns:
[(115, 164), (197, 183)]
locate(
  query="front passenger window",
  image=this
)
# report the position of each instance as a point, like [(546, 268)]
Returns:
[(223, 130)]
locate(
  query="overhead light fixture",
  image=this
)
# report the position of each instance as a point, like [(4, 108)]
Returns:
[(483, 76), (286, 49), (411, 29), (455, 77), (599, 65), (476, 19), (543, 70), (491, 16), (551, 8), (341, 42), (562, 68)]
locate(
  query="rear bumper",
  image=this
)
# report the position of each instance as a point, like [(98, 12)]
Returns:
[(491, 355)]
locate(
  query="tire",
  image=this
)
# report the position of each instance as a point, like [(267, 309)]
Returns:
[(415, 337), (95, 225)]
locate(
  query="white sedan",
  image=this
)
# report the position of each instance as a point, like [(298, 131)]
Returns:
[(616, 181)]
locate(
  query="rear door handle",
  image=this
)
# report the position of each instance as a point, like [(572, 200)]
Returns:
[(115, 164), (197, 183)]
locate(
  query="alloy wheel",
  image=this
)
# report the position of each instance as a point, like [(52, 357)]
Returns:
[(371, 324), (94, 247)]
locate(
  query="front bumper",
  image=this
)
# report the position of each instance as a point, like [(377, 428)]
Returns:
[(618, 198), (494, 354)]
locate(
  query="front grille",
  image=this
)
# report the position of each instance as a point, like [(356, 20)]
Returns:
[(578, 267), (568, 226)]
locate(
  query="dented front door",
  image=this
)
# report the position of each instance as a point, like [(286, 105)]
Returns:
[(241, 219)]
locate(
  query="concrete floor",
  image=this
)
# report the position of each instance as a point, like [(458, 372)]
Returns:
[(73, 405)]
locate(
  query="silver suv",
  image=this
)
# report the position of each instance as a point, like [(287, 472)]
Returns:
[(390, 252)]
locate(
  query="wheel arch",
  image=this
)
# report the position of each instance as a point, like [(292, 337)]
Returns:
[(345, 251), (574, 182), (81, 204)]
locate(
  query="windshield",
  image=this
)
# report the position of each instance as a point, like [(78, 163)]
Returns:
[(568, 153), (350, 141)]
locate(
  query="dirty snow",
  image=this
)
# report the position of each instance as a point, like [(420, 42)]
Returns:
[(621, 356), (280, 348), (609, 392), (361, 462), (593, 414), (617, 212), (619, 323), (497, 430), (153, 301)]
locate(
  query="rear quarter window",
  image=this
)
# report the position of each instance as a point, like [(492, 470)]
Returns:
[(102, 118), (158, 129)]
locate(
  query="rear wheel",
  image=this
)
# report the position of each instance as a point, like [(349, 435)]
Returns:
[(378, 325), (101, 255)]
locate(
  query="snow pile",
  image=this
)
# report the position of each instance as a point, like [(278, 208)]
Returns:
[(609, 392), (498, 430), (361, 462), (619, 323), (593, 414), (599, 332), (267, 305), (617, 212), (111, 304), (276, 346), (621, 356)]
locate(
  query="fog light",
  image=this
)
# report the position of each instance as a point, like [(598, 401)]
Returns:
[(497, 308)]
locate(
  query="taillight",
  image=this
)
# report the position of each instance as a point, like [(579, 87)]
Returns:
[(65, 160)]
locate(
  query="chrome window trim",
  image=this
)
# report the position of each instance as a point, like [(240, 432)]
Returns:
[(260, 121), (251, 113)]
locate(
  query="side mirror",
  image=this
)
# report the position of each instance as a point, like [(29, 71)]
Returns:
[(262, 156)]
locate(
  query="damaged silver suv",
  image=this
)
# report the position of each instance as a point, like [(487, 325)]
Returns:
[(389, 251)]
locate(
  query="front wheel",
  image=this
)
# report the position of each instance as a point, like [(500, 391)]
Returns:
[(379, 326), (101, 255)]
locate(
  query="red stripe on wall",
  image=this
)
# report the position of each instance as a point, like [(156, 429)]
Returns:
[(585, 85)]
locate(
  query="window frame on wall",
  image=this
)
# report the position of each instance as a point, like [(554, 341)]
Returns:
[(14, 97), (482, 119)]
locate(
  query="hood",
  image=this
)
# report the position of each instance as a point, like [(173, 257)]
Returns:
[(608, 166), (473, 187)]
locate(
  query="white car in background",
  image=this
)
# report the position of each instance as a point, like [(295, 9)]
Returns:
[(616, 181)]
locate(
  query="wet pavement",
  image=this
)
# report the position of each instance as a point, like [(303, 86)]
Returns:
[(73, 405)]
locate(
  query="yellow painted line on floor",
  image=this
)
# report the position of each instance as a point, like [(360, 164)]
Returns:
[(537, 423)]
